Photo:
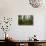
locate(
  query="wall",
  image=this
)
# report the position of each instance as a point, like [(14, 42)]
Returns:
[(12, 8)]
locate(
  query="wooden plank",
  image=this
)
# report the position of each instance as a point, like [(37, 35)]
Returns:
[(25, 44)]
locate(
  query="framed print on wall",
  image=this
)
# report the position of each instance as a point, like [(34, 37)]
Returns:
[(25, 19)]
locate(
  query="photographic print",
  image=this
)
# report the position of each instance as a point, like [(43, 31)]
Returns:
[(25, 19)]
